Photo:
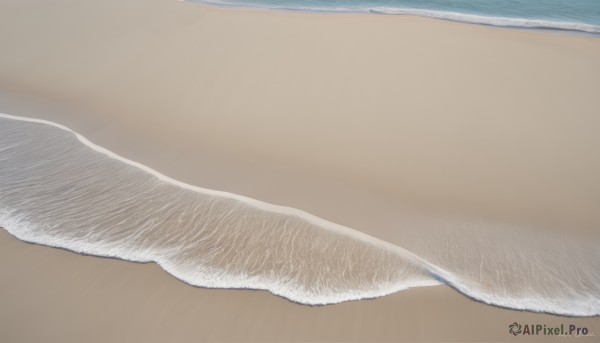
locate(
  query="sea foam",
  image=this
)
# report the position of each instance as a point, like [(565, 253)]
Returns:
[(491, 20), (59, 189), (457, 16)]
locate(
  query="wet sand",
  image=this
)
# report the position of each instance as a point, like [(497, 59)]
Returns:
[(54, 295), (355, 118)]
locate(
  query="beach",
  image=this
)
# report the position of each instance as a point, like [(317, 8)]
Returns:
[(364, 120), (98, 300)]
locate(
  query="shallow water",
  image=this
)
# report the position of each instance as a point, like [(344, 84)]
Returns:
[(58, 189), (575, 15)]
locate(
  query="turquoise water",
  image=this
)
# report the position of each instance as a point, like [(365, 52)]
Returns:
[(573, 15)]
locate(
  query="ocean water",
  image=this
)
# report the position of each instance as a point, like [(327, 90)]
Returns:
[(571, 15), (59, 189)]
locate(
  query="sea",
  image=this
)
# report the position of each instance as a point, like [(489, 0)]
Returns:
[(59, 189), (567, 15)]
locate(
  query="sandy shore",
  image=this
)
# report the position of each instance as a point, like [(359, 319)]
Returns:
[(52, 295), (363, 120)]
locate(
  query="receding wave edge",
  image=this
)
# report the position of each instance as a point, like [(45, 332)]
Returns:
[(523, 23), (435, 274)]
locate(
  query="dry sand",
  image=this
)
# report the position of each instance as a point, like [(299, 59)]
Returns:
[(359, 119)]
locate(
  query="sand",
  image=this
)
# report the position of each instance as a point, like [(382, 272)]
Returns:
[(51, 295), (360, 119)]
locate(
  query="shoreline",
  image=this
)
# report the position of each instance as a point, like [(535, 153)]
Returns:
[(242, 289), (125, 296), (430, 268), (441, 285), (181, 87), (439, 276), (534, 25)]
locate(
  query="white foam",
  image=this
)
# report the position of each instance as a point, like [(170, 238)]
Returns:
[(491, 20), (443, 15), (253, 202), (462, 276), (15, 227)]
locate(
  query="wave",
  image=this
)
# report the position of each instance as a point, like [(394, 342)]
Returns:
[(526, 23), (492, 21), (56, 191)]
